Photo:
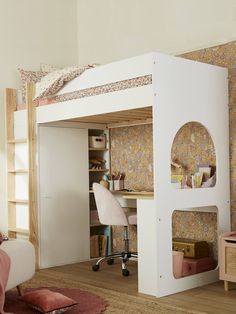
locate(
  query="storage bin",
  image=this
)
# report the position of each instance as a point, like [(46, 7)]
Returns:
[(178, 258), (227, 254), (192, 266), (97, 141)]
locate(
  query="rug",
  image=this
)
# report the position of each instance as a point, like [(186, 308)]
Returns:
[(118, 303), (88, 303)]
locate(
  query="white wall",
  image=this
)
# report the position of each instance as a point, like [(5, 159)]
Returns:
[(110, 30), (31, 32)]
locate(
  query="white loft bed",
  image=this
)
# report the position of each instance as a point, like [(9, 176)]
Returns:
[(180, 91)]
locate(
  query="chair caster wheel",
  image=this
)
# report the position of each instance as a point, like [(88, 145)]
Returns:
[(125, 272), (95, 267), (110, 261)]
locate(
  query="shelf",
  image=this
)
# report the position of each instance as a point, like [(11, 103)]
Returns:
[(17, 141), (96, 225), (18, 201), (98, 170), (18, 171), (18, 230), (98, 149)]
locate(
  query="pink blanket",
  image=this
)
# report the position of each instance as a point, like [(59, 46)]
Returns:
[(4, 272)]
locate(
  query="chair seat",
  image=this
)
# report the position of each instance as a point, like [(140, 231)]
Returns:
[(132, 219)]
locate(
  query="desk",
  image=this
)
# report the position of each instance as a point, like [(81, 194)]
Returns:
[(134, 194), (146, 236)]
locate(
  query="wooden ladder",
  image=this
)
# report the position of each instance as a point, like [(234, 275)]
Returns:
[(12, 171)]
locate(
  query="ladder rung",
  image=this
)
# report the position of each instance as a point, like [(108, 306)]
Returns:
[(18, 230), (18, 171), (18, 201), (17, 140)]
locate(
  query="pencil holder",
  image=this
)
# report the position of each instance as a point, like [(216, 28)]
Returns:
[(118, 185)]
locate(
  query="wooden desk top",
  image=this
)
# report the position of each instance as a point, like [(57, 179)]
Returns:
[(135, 194)]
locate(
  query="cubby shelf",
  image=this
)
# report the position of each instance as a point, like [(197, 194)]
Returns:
[(98, 170), (98, 149)]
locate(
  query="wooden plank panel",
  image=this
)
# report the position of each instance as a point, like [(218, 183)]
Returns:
[(118, 117), (33, 209), (10, 108)]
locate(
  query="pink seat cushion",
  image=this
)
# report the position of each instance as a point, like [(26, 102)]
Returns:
[(47, 301), (132, 219)]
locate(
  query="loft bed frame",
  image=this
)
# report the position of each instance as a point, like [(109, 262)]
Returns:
[(177, 91)]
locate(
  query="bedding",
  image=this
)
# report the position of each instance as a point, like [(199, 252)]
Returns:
[(98, 90), (53, 81), (49, 83), (29, 76)]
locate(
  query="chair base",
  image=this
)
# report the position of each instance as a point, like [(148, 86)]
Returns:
[(125, 256)]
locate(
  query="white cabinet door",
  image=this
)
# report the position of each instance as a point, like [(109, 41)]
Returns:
[(63, 196)]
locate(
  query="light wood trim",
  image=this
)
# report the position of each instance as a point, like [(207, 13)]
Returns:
[(19, 230), (98, 149), (98, 170), (18, 201), (18, 170), (33, 209), (129, 123), (226, 285), (10, 108), (126, 116), (17, 141)]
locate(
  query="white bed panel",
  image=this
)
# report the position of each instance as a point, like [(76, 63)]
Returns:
[(110, 73), (182, 91), (132, 98), (187, 91)]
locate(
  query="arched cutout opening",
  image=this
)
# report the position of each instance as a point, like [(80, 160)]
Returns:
[(193, 158), (194, 240)]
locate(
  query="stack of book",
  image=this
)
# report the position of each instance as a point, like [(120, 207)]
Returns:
[(98, 245)]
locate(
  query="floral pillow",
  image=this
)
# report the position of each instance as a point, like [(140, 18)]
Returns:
[(47, 301), (29, 76), (51, 83)]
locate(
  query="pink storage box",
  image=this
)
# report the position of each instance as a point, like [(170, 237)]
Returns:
[(193, 266)]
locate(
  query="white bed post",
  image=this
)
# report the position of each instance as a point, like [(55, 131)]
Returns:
[(185, 91)]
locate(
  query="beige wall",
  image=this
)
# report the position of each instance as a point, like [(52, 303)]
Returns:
[(31, 32), (110, 30)]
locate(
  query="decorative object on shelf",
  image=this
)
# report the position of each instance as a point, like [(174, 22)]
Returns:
[(97, 163), (192, 248), (192, 266), (197, 179), (210, 182), (205, 170), (97, 141), (116, 181), (178, 258)]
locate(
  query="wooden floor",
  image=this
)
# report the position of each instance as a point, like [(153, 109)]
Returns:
[(207, 299)]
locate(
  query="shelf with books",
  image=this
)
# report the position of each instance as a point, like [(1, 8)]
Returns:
[(99, 159)]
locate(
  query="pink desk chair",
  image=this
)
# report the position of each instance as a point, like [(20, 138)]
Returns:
[(111, 213)]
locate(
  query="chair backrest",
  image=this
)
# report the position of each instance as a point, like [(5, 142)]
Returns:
[(109, 210)]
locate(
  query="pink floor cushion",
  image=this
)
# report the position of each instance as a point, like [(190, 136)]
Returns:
[(88, 302), (47, 301)]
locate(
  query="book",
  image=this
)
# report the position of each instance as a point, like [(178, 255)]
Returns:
[(102, 245), (94, 246)]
